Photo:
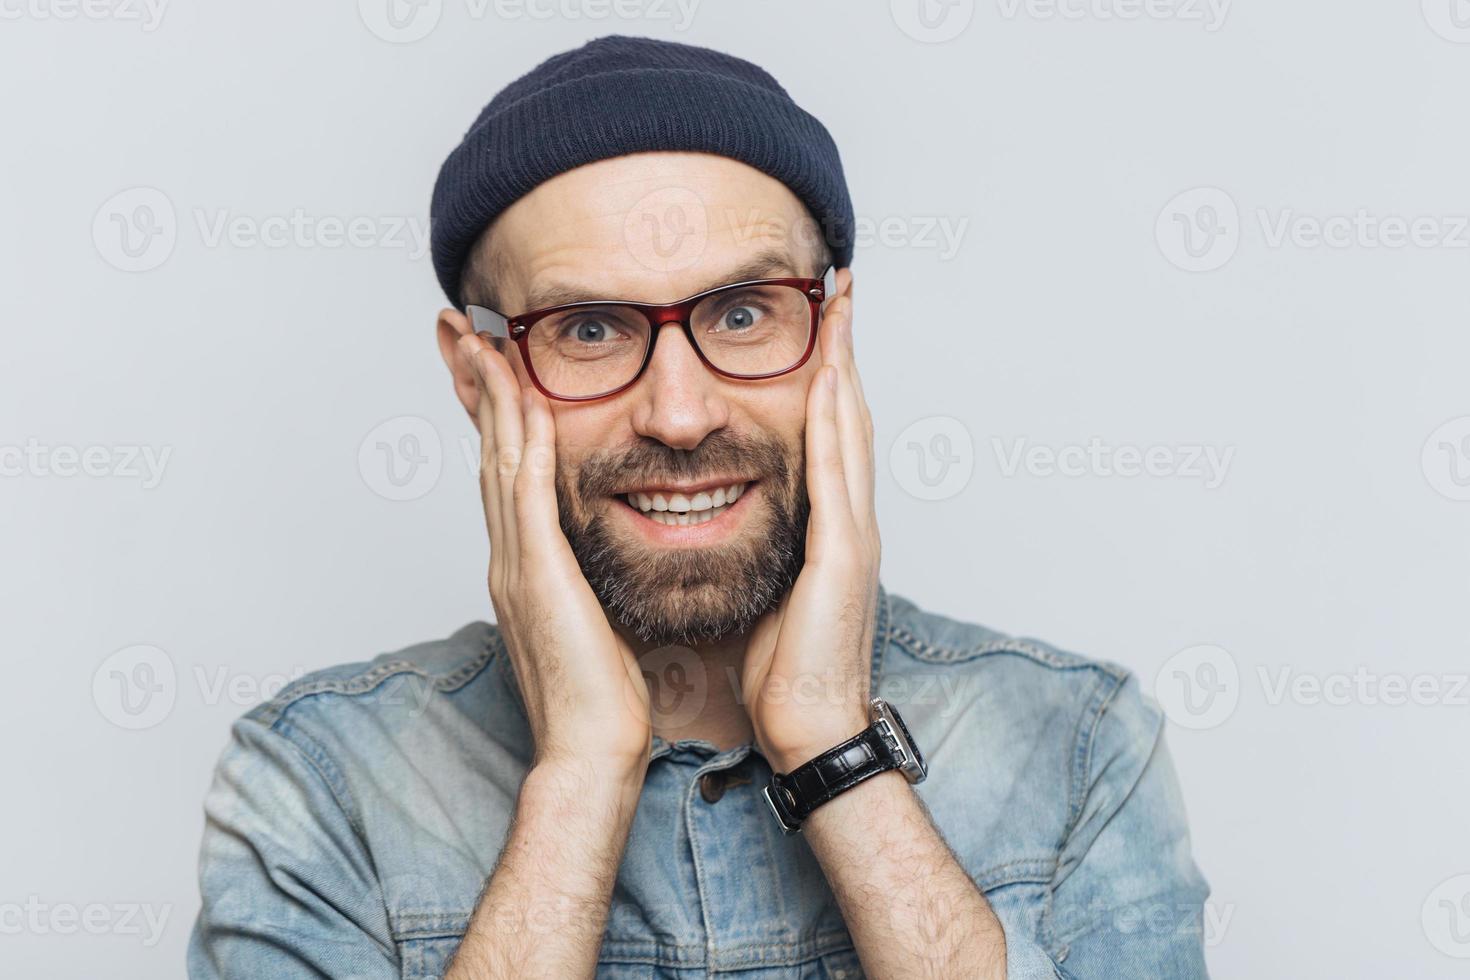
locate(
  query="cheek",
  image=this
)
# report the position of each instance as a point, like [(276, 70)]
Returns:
[(781, 413), (586, 429), (779, 425)]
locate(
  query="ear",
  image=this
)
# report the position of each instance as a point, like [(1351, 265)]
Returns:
[(453, 325)]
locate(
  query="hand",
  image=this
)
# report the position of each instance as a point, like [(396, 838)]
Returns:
[(806, 674), (585, 698)]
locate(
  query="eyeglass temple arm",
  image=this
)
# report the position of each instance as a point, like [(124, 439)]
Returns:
[(485, 320), (829, 286)]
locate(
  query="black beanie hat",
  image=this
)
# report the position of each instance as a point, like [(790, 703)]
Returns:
[(617, 95)]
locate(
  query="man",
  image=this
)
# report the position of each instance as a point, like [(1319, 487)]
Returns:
[(666, 758)]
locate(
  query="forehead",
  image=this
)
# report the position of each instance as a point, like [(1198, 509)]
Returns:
[(647, 226)]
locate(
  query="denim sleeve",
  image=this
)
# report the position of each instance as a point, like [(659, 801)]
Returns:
[(288, 887), (1127, 899)]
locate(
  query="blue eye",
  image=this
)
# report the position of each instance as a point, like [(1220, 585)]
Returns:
[(739, 318), (589, 330)]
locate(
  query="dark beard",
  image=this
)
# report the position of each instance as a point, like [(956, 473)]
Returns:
[(687, 596)]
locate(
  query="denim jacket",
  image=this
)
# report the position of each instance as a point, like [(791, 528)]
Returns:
[(354, 818)]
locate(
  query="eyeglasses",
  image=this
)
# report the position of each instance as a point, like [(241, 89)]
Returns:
[(750, 330)]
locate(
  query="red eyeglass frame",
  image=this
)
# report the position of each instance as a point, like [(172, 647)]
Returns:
[(518, 328)]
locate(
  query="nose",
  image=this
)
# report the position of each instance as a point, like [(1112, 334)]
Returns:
[(679, 400)]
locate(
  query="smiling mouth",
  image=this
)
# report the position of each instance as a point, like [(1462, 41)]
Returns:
[(684, 509)]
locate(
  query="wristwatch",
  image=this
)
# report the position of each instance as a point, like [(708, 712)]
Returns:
[(885, 744)]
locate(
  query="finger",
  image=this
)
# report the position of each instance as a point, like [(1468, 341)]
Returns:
[(503, 394), (537, 521), (469, 348), (826, 478), (857, 377), (869, 454), (852, 422)]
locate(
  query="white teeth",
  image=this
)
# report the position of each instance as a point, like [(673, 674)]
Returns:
[(686, 518), (700, 508)]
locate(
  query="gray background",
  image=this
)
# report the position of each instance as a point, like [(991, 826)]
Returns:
[(1057, 141)]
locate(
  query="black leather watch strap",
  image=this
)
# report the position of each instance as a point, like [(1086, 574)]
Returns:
[(794, 795)]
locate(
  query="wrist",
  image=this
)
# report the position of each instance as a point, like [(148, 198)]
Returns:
[(602, 782), (789, 749)]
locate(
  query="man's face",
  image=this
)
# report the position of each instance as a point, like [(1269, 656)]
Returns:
[(656, 227)]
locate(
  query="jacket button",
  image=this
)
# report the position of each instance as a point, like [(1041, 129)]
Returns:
[(712, 786)]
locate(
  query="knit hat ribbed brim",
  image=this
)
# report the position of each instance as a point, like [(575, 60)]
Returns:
[(618, 95)]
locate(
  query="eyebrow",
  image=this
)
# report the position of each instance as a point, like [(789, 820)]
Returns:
[(769, 264)]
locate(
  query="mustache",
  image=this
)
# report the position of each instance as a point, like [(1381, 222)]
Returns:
[(688, 597), (649, 461)]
